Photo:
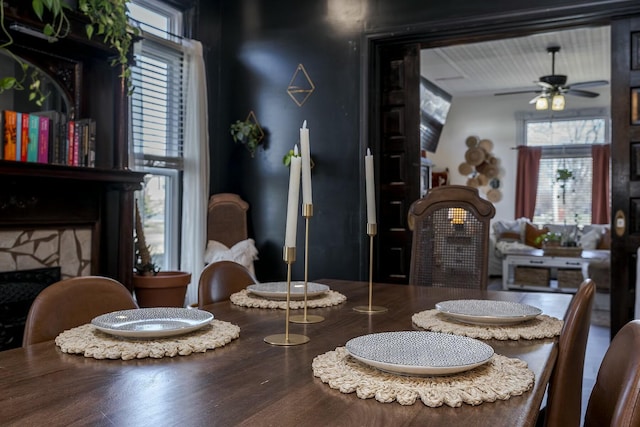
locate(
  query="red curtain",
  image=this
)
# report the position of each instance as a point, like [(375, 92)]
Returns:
[(527, 181), (600, 208)]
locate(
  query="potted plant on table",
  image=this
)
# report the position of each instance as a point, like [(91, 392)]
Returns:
[(155, 288)]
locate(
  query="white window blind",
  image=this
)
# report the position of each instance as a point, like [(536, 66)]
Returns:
[(566, 153), (157, 105), (564, 202)]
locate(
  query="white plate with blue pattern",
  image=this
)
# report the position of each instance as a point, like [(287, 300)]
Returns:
[(488, 312), (419, 353), (278, 290), (153, 322)]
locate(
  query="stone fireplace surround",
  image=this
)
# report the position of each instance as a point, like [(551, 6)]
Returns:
[(67, 248), (30, 260)]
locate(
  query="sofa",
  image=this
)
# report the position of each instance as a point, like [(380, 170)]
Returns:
[(521, 234)]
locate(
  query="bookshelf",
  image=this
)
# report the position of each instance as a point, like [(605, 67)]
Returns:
[(43, 195)]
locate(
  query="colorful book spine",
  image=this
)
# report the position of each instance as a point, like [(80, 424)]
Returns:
[(43, 140), (77, 133), (18, 153), (71, 125), (24, 147), (34, 138), (9, 120), (92, 144)]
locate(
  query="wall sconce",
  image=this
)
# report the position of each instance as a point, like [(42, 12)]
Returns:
[(557, 103)]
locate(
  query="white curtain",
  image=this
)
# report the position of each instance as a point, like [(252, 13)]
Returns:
[(196, 167)]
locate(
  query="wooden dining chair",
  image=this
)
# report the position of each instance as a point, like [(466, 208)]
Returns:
[(450, 244), (220, 279), (227, 219), (73, 302), (615, 397), (564, 393)]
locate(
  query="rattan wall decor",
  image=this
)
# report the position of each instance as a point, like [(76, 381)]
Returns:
[(482, 168)]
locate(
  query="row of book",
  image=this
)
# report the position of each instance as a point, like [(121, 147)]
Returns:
[(47, 137)]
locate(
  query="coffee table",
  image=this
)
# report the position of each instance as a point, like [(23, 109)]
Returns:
[(535, 260)]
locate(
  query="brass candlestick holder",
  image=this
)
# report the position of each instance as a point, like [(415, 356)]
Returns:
[(371, 231), (289, 256), (307, 212)]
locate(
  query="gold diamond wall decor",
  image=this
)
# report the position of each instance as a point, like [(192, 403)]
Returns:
[(300, 86), (252, 118)]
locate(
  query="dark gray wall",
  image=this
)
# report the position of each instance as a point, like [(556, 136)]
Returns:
[(253, 48)]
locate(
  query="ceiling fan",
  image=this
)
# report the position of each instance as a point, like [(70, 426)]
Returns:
[(554, 86)]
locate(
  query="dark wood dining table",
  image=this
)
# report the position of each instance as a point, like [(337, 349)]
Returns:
[(251, 383)]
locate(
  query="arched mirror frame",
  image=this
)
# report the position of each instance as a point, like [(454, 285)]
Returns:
[(65, 73)]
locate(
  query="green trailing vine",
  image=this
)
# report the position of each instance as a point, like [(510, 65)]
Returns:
[(107, 19), (110, 21)]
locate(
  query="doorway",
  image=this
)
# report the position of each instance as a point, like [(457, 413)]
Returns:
[(386, 57)]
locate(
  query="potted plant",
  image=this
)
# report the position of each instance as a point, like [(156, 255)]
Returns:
[(155, 288), (247, 133), (106, 18)]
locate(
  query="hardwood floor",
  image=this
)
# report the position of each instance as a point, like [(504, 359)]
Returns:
[(597, 343)]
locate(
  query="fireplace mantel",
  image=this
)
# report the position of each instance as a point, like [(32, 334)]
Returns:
[(37, 196), (45, 196)]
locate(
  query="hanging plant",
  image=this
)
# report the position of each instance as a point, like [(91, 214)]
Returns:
[(107, 18), (563, 176), (247, 133), (286, 159), (110, 21)]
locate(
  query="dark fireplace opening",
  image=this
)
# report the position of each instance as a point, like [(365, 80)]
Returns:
[(18, 289)]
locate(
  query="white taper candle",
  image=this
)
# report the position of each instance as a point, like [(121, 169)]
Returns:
[(306, 165), (370, 187), (292, 205)]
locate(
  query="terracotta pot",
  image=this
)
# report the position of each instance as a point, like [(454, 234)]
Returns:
[(166, 289)]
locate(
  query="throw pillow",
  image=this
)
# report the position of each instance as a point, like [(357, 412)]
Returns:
[(531, 234), (244, 252), (590, 239), (605, 240)]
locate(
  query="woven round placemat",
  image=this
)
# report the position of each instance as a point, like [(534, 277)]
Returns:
[(245, 299), (90, 342), (498, 379), (542, 326)]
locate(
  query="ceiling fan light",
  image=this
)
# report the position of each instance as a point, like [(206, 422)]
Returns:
[(557, 103), (542, 103)]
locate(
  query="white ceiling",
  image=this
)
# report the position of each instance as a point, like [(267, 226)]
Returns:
[(514, 64)]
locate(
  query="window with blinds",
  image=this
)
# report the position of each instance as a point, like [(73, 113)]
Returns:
[(157, 106), (157, 125), (565, 176)]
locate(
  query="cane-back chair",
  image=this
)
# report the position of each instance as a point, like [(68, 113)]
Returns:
[(227, 219), (450, 244)]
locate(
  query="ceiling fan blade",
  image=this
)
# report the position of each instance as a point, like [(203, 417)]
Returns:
[(517, 92), (535, 99), (592, 83), (544, 85), (584, 93)]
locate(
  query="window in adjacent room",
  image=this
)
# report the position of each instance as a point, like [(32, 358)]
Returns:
[(156, 126), (565, 175)]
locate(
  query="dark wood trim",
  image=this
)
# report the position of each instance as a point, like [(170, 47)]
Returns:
[(441, 32)]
